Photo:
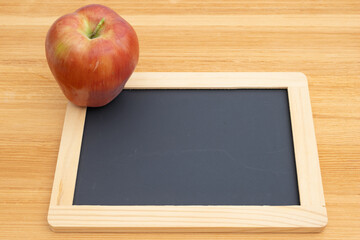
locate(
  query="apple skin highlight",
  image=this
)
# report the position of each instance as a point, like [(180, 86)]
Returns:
[(91, 67)]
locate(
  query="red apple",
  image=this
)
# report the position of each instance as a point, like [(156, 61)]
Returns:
[(91, 53)]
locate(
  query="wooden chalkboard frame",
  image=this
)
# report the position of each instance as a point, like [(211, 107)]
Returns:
[(309, 216)]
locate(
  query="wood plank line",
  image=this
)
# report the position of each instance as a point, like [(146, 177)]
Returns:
[(280, 20)]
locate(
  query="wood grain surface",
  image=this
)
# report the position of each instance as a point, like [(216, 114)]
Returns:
[(319, 38)]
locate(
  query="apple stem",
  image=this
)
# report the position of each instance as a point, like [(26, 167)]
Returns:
[(97, 28)]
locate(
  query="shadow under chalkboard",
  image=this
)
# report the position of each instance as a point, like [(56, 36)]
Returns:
[(189, 147)]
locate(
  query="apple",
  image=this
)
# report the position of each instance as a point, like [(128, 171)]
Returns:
[(91, 53)]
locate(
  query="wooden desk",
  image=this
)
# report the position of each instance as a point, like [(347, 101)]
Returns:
[(321, 39)]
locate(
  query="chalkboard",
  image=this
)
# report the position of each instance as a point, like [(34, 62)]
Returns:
[(189, 147), (192, 152)]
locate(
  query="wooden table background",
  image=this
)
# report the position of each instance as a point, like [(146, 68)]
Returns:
[(319, 38)]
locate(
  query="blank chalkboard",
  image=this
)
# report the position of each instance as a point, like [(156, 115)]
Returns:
[(192, 152), (189, 147)]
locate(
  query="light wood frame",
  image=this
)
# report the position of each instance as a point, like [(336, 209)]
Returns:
[(309, 216)]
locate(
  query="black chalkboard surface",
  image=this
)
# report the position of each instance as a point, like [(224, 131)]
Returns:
[(189, 147)]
